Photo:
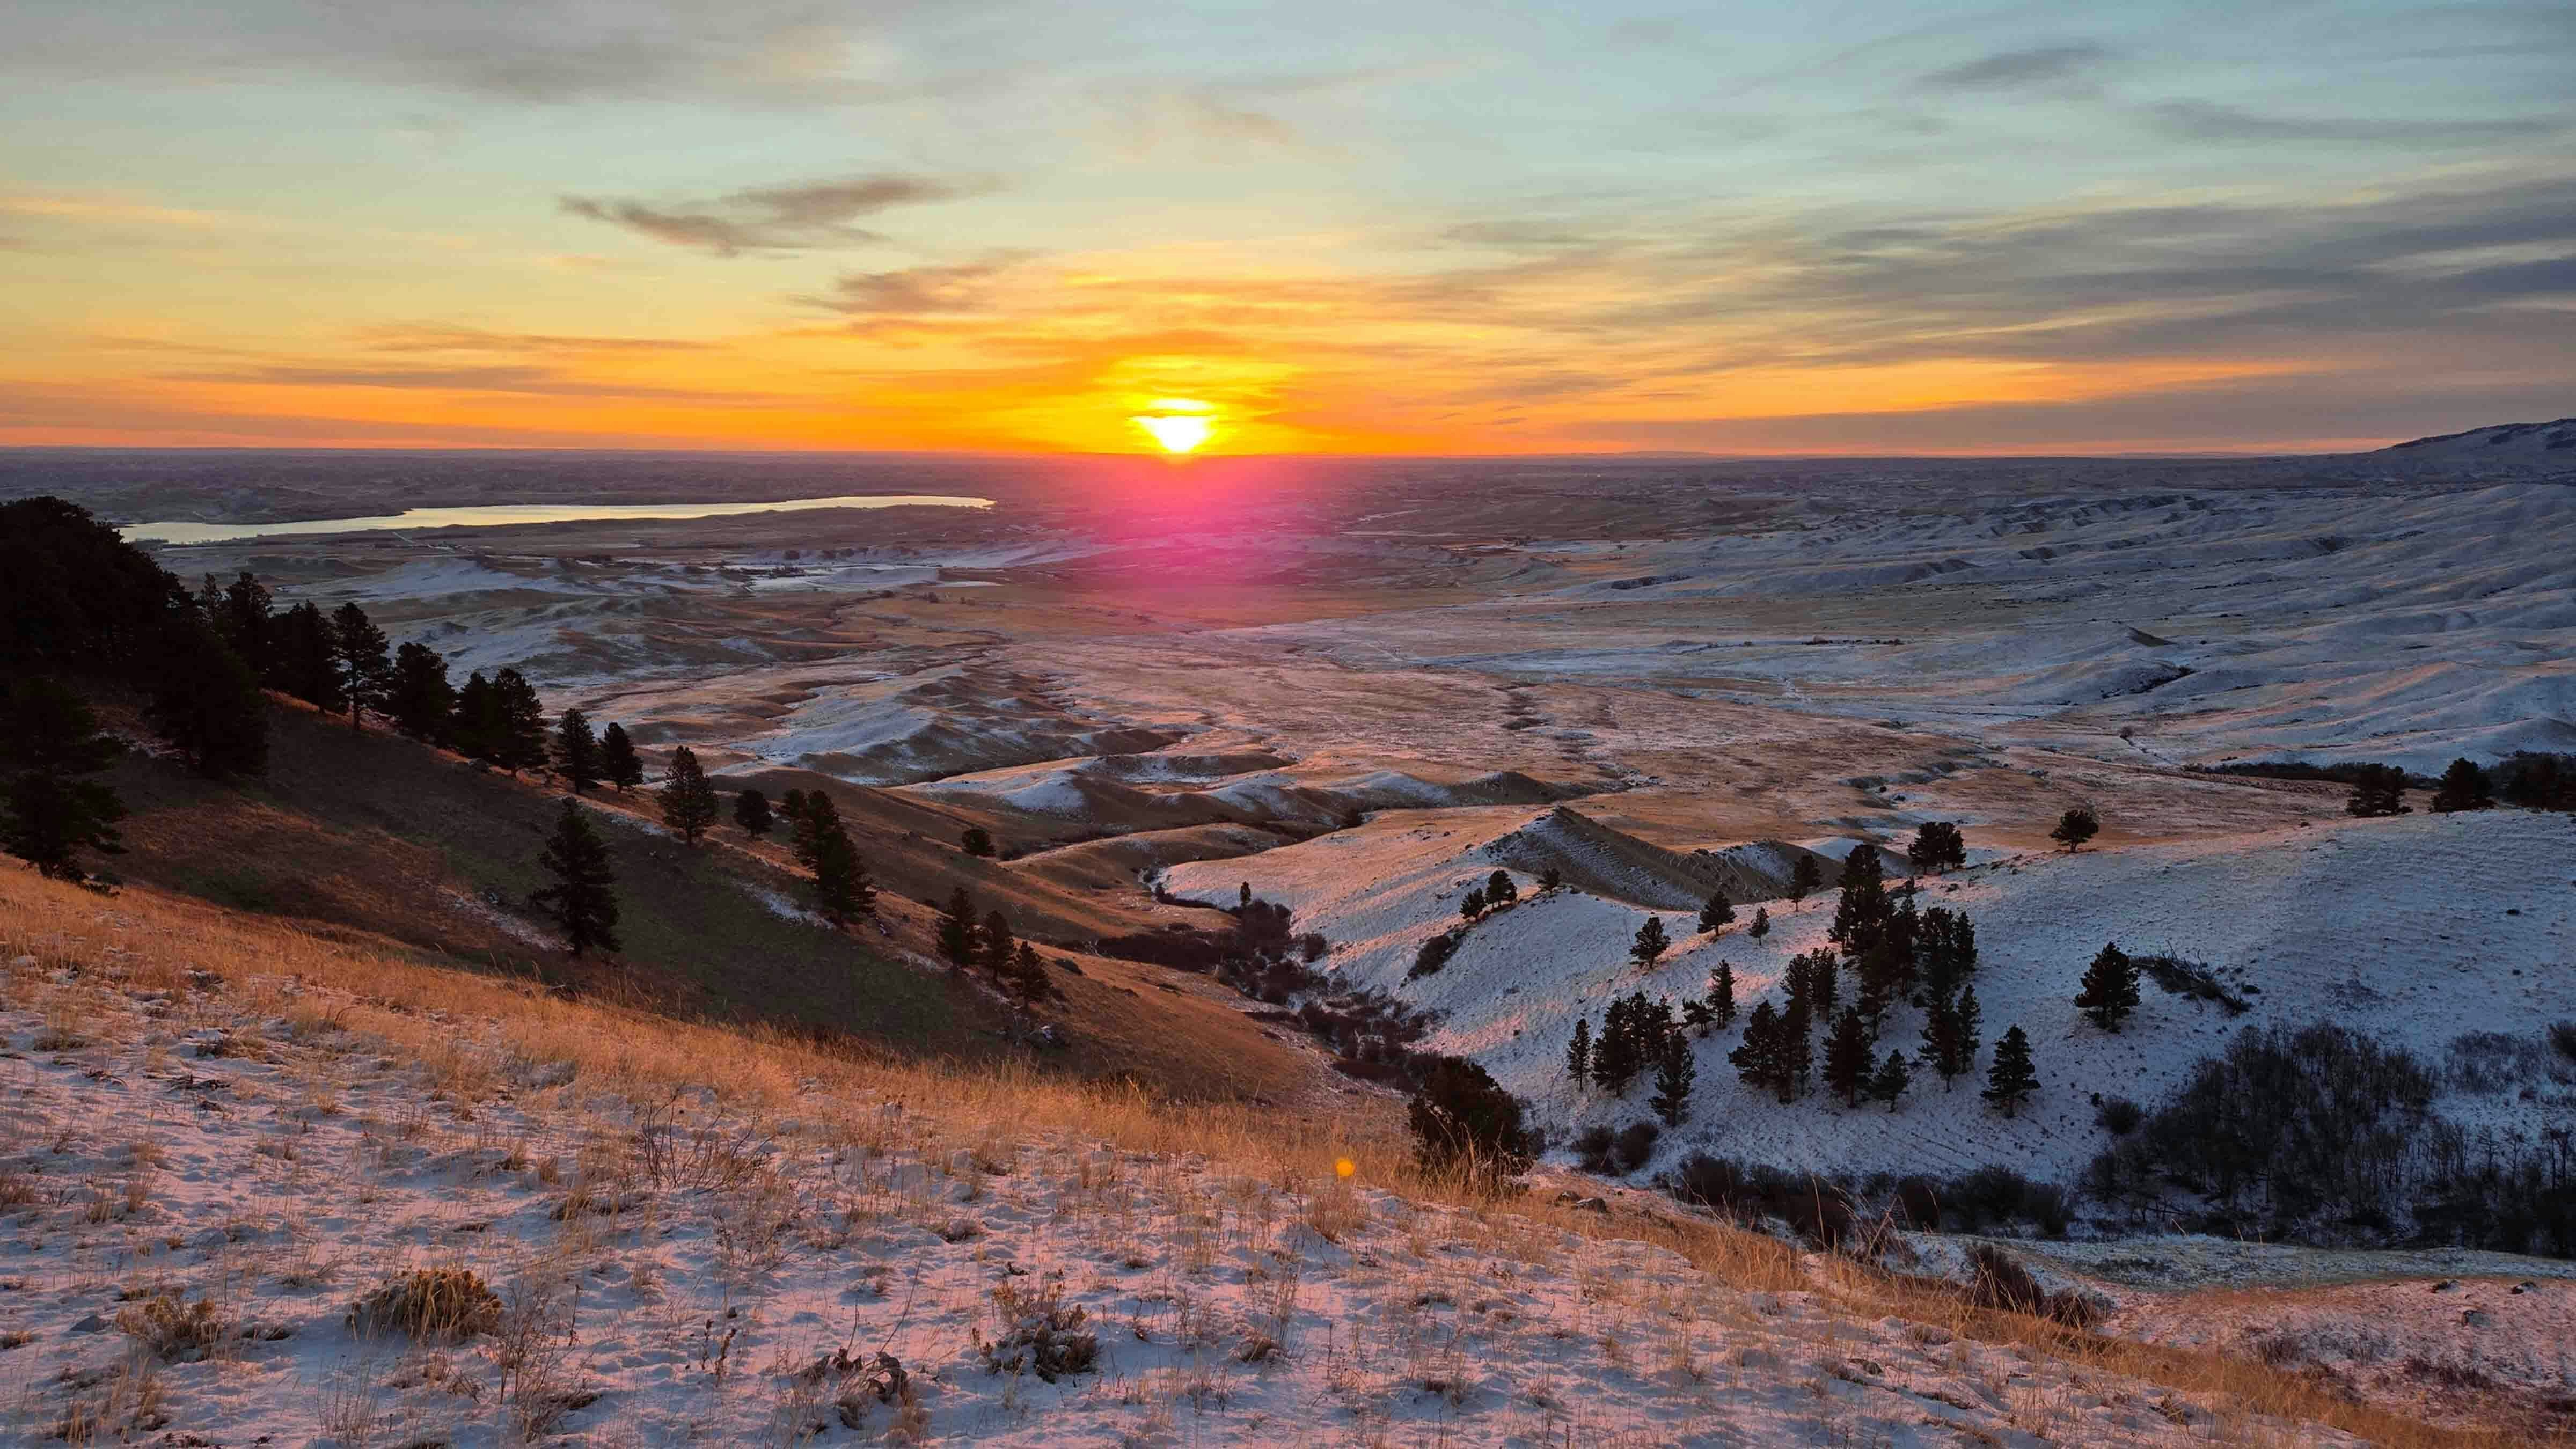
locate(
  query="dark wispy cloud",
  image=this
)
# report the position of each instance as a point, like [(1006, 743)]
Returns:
[(2202, 121), (2016, 69), (946, 288), (520, 378), (433, 337), (803, 217)]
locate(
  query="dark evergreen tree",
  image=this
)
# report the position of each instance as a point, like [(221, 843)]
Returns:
[(2011, 1080), (1813, 981), (1676, 1072), (2377, 790), (479, 725), (791, 806), (240, 614), (1969, 1019), (1797, 1047), (1620, 1052), (1721, 994), (365, 661), (75, 598), (205, 702), (1945, 952), (995, 946), (582, 902), (49, 811), (842, 890), (751, 812), (1697, 1016), (1761, 926), (2078, 825), (1849, 1055), (1650, 943), (420, 701), (1464, 1122), (1472, 904), (957, 929), (2110, 988), (1860, 915), (520, 739), (1805, 878), (1550, 878), (1499, 889), (619, 765), (688, 797), (305, 657), (1757, 1059), (1578, 1052), (1028, 979), (1717, 913), (1888, 1084), (977, 841), (1937, 847), (576, 751), (2464, 787)]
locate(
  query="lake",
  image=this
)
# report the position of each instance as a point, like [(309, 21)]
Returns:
[(498, 515)]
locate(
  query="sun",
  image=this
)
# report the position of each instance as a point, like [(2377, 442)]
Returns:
[(1176, 424)]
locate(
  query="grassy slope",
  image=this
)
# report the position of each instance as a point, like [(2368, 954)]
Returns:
[(380, 834)]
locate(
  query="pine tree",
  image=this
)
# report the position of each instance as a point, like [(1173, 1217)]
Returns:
[(49, 740), (305, 657), (994, 947), (1757, 1060), (2464, 787), (365, 662), (1970, 1022), (206, 703), (1761, 926), (1945, 950), (619, 765), (241, 618), (478, 724), (419, 700), (751, 812), (519, 739), (1550, 878), (1499, 889), (1676, 1071), (1860, 914), (1619, 1052), (576, 751), (1650, 942), (2011, 1081), (2377, 790), (580, 902), (1697, 1016), (1891, 1080), (688, 797), (1716, 914), (2078, 825), (1472, 904), (1814, 981), (2110, 988), (1721, 994), (1848, 1055), (1937, 846), (1805, 878), (842, 890), (1028, 979), (1797, 1048), (1578, 1052), (976, 841), (957, 929)]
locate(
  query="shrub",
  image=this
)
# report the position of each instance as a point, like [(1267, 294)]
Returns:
[(1636, 1143), (174, 1330), (1594, 1148), (2000, 1282), (977, 841), (1463, 1121), (2118, 1116), (433, 1305), (2562, 1037), (1432, 955)]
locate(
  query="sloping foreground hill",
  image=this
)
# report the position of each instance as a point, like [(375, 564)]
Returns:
[(257, 1187)]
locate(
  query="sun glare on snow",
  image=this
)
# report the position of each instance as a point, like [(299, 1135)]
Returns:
[(1177, 425)]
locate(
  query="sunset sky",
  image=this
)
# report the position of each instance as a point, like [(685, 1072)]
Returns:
[(1401, 226)]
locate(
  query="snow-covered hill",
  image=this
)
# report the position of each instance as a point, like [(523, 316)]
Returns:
[(2414, 930), (2549, 447)]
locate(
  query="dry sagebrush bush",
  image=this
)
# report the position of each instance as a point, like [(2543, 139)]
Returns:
[(432, 1305)]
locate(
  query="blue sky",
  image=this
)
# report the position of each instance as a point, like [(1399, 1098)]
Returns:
[(1857, 227)]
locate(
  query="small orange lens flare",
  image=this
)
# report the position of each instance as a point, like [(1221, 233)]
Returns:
[(1344, 1167)]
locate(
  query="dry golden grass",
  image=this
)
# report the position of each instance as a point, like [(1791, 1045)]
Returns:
[(466, 1030)]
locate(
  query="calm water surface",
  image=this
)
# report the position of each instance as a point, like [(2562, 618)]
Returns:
[(495, 515)]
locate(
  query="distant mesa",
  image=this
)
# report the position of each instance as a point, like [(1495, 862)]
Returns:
[(2518, 442)]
